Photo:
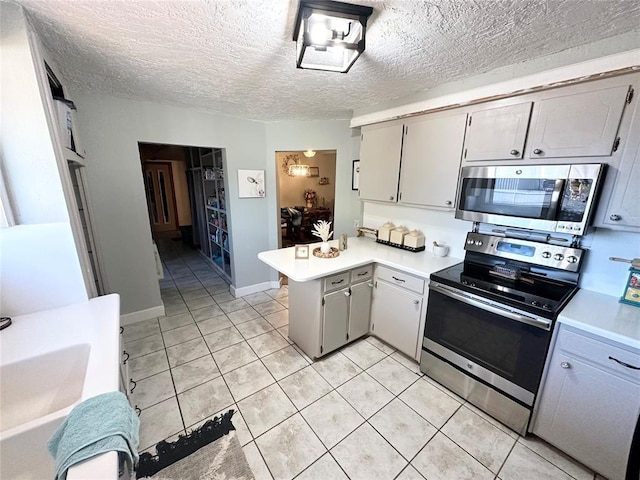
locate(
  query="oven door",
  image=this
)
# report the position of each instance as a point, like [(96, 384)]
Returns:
[(518, 196), (500, 347)]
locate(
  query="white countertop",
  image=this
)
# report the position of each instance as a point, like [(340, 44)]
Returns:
[(603, 315), (360, 251)]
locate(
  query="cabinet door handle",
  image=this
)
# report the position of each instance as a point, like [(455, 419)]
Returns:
[(448, 203), (416, 302), (370, 285), (615, 218), (514, 152), (390, 197), (137, 409), (398, 279), (537, 151), (565, 364), (624, 364), (337, 283), (363, 273), (135, 384), (126, 358), (347, 294), (121, 329)]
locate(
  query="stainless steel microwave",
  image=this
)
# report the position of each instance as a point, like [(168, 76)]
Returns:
[(549, 198)]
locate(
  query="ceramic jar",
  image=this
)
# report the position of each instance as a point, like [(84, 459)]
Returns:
[(397, 235), (384, 231), (414, 239)]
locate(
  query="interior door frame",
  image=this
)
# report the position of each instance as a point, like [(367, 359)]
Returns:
[(173, 191)]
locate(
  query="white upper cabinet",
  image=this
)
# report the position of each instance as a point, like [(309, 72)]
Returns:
[(431, 160), (497, 133), (577, 125), (623, 209), (380, 150)]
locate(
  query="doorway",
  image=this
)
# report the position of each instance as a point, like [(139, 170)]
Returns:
[(185, 191), (306, 193), (165, 182)]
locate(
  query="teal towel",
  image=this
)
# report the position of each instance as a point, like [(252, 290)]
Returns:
[(100, 424)]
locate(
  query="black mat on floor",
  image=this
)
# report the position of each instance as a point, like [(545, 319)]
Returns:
[(169, 453)]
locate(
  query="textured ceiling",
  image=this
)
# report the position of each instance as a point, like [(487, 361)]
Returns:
[(236, 57)]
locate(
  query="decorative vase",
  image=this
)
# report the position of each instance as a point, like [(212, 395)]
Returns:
[(325, 247), (309, 204)]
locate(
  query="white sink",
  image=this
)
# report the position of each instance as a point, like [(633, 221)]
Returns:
[(49, 362), (35, 387)]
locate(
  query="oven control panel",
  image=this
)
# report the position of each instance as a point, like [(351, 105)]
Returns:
[(554, 256)]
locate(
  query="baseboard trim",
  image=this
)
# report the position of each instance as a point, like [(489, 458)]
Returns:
[(258, 287), (141, 315)]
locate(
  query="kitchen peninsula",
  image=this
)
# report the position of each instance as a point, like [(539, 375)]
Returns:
[(331, 301)]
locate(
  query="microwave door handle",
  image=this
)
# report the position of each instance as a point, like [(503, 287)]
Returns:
[(556, 198), (534, 322)]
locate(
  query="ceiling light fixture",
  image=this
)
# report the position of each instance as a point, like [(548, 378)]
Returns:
[(329, 35), (309, 153), (298, 170), (291, 165)]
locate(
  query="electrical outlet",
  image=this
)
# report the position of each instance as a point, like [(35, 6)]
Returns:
[(356, 223)]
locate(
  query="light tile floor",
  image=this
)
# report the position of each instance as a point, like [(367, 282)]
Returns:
[(361, 413)]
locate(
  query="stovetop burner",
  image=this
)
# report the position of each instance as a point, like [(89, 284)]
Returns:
[(525, 284), (531, 292)]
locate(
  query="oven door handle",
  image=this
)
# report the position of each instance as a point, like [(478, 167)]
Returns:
[(534, 322)]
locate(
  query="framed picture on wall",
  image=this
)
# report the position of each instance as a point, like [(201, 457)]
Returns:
[(355, 175), (251, 184), (314, 171)]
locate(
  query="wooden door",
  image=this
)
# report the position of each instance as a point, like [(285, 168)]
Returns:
[(161, 201)]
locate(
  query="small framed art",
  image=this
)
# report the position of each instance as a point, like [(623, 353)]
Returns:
[(355, 175), (314, 171), (251, 184), (302, 252)]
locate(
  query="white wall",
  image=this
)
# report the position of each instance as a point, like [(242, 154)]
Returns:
[(598, 272), (315, 135), (26, 149), (437, 226), (111, 129), (39, 265)]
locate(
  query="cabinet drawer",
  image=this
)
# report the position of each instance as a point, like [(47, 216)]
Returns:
[(361, 273), (600, 353), (401, 279), (334, 282)]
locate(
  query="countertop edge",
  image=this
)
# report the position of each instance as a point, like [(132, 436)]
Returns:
[(603, 315)]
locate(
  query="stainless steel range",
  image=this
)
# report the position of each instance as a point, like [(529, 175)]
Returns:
[(490, 318)]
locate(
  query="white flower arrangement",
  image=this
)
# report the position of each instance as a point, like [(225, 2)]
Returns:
[(322, 230)]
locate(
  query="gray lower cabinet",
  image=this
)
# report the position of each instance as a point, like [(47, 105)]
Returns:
[(590, 401), (360, 309), (327, 313), (335, 320), (396, 309)]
